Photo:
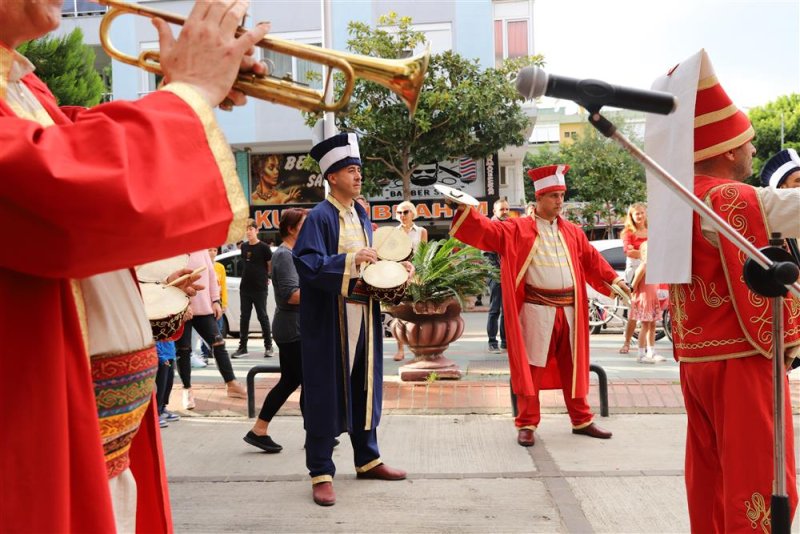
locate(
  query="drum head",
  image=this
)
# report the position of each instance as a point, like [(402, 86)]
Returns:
[(157, 271), (456, 195), (391, 243), (162, 301), (385, 275)]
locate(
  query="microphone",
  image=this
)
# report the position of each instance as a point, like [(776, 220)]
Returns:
[(533, 82)]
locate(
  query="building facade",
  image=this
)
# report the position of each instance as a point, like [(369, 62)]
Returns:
[(269, 138)]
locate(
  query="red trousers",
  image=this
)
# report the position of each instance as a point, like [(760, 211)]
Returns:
[(729, 444), (528, 407)]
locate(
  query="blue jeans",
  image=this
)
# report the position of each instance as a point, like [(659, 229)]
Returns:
[(495, 314)]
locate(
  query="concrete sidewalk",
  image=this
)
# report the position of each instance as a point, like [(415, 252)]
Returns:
[(458, 442), (466, 474)]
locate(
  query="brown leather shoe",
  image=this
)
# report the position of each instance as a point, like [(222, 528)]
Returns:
[(383, 472), (323, 494), (593, 431), (525, 437)]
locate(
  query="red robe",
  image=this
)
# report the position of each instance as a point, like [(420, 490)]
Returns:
[(107, 188), (513, 240)]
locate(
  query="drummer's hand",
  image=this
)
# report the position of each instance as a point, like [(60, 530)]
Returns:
[(409, 268), (188, 315), (217, 310), (188, 286), (369, 255), (207, 53)]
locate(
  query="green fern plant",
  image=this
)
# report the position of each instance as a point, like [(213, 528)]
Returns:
[(448, 268)]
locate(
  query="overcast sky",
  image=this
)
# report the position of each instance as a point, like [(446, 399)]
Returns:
[(754, 45)]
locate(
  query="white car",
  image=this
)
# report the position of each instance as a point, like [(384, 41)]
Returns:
[(232, 261)]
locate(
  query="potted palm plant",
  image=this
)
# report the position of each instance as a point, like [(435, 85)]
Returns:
[(429, 318)]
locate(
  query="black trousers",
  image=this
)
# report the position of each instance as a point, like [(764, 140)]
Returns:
[(206, 326), (495, 313), (291, 378), (165, 376), (259, 302)]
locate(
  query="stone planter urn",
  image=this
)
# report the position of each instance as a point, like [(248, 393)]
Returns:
[(428, 329)]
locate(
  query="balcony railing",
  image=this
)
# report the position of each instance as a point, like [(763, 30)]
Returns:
[(81, 8)]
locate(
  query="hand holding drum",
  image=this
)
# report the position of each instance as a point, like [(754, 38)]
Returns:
[(387, 279)]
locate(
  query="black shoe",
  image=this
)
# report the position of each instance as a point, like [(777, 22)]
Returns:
[(264, 443), (503, 345), (240, 353), (493, 348), (268, 353)]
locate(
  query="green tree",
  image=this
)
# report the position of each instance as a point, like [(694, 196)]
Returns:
[(767, 124), (66, 65), (462, 111)]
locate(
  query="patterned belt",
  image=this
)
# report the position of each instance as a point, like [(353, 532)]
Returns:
[(558, 298), (123, 385)]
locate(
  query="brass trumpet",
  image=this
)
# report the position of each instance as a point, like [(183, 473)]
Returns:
[(402, 76)]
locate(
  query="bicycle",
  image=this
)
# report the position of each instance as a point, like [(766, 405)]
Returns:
[(603, 310)]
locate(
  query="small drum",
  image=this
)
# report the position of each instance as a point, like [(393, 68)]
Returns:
[(392, 243), (157, 271), (165, 307), (386, 281)]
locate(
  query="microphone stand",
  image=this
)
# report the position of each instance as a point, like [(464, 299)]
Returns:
[(767, 272)]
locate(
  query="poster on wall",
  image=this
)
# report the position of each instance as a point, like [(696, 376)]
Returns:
[(278, 179)]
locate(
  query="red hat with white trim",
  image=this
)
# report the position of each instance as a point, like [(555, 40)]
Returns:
[(719, 125), (549, 178)]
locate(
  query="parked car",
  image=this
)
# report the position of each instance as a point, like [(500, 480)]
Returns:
[(232, 261)]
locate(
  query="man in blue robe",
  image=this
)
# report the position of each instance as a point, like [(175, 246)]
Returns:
[(342, 341)]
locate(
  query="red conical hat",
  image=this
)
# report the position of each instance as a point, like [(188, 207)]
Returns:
[(719, 125), (549, 178)]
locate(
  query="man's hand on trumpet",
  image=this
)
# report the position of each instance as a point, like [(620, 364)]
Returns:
[(207, 54)]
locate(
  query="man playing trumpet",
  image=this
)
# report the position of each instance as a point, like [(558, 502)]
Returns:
[(85, 453)]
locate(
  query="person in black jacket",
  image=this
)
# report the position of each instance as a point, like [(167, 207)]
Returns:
[(256, 258)]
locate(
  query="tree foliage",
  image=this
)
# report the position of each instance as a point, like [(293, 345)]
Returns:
[(602, 174), (463, 109), (767, 124), (66, 65)]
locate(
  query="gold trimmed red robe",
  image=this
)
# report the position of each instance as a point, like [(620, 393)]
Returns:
[(103, 189), (514, 240)]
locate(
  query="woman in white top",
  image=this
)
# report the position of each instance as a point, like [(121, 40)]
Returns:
[(406, 213)]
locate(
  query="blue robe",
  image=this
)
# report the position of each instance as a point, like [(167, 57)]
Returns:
[(332, 404)]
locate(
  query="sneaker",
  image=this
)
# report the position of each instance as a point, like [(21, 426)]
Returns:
[(197, 362), (240, 353), (645, 359), (170, 416), (658, 358), (264, 443), (162, 421), (188, 399), (268, 353), (494, 349), (503, 345)]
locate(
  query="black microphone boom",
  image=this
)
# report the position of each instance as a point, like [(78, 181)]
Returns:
[(533, 82)]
